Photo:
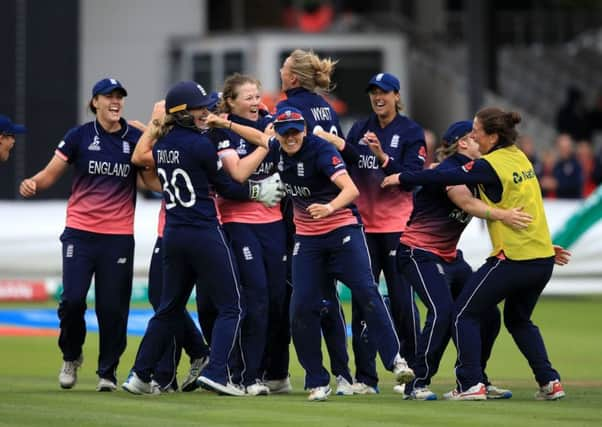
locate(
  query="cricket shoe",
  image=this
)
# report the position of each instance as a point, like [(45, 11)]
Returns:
[(196, 366), (279, 386), (258, 389), (319, 394), (105, 384), (68, 373), (476, 392), (343, 387), (494, 392), (135, 385), (399, 389), (228, 389), (551, 391), (363, 388), (420, 393)]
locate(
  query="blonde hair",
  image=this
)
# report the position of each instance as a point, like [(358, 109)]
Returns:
[(162, 128), (230, 90), (444, 151), (312, 72)]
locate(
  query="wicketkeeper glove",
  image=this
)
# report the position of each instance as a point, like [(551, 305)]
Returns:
[(268, 191)]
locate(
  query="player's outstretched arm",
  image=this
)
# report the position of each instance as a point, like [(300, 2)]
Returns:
[(45, 178)]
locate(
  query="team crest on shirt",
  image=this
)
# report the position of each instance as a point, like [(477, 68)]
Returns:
[(95, 145), (300, 169), (223, 144), (126, 147), (280, 165), (395, 141), (242, 147)]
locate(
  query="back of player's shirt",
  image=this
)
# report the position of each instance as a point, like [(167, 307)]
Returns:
[(317, 112), (103, 192), (437, 223), (187, 164)]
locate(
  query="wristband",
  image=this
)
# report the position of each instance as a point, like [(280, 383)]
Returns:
[(487, 214)]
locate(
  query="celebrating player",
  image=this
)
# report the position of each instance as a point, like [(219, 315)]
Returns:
[(99, 235)]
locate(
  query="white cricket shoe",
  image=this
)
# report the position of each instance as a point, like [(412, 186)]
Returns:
[(399, 389), (228, 388), (279, 386), (420, 393), (363, 388), (319, 394), (494, 392), (105, 384), (135, 385), (403, 373), (476, 392), (258, 389), (68, 373), (343, 387), (196, 366)]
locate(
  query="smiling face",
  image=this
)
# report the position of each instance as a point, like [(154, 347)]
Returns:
[(383, 103), (108, 109), (291, 141), (246, 101), (485, 141)]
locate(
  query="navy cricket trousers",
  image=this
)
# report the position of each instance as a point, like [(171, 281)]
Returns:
[(110, 259), (194, 342), (195, 254), (383, 250), (341, 254), (457, 273), (519, 283), (260, 252)]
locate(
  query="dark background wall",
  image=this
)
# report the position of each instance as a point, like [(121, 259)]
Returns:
[(42, 39)]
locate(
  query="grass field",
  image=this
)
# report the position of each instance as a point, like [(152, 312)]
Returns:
[(30, 396)]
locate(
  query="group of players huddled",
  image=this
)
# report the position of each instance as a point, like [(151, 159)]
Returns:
[(264, 213)]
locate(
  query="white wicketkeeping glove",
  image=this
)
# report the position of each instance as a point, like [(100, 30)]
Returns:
[(268, 191)]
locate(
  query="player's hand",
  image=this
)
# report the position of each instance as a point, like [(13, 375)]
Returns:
[(374, 145), (561, 255), (158, 113), (390, 181), (319, 210), (517, 219), (217, 121), (28, 187), (269, 130)]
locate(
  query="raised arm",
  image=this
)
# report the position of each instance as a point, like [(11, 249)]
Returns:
[(250, 134), (143, 153)]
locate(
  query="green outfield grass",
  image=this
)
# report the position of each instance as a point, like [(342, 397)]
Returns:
[(30, 396)]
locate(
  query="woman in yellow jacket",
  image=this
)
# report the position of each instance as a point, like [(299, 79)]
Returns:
[(520, 263)]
